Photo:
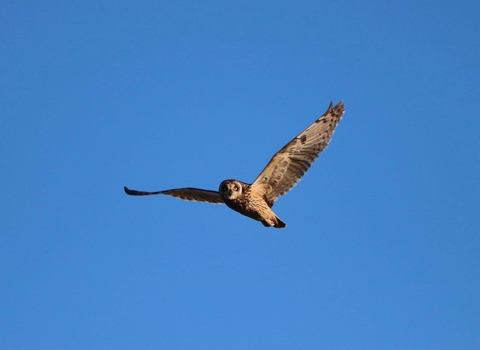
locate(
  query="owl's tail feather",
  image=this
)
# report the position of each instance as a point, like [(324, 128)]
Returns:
[(279, 223), (275, 222)]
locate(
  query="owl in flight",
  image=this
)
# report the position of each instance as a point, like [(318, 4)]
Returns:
[(283, 172)]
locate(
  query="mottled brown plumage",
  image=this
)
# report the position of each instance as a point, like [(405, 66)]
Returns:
[(283, 172), (242, 198)]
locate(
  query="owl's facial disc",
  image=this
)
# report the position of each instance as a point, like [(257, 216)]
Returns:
[(230, 189)]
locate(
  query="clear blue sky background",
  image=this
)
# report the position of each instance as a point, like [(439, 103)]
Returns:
[(382, 247)]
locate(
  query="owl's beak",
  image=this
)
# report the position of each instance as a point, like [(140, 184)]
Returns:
[(230, 192)]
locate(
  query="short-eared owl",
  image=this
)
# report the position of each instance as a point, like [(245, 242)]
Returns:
[(279, 176)]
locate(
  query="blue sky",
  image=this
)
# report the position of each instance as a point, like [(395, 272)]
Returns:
[(381, 249)]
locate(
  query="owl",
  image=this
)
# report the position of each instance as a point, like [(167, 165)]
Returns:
[(284, 170)]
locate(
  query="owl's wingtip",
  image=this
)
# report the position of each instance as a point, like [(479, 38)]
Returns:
[(340, 104), (129, 191)]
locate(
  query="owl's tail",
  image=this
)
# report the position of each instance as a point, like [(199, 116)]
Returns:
[(279, 223), (274, 221)]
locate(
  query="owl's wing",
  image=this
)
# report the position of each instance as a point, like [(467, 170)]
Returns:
[(289, 164), (189, 194)]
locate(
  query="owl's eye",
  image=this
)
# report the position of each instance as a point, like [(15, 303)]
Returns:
[(235, 188), (224, 188)]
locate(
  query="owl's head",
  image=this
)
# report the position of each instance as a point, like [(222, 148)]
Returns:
[(230, 189)]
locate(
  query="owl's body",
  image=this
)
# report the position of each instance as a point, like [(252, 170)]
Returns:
[(283, 172), (240, 197)]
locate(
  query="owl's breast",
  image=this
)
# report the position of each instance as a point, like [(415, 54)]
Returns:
[(249, 205)]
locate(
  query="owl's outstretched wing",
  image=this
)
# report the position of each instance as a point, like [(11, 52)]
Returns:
[(189, 194), (289, 164)]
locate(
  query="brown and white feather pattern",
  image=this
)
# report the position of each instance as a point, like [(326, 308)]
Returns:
[(289, 164)]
